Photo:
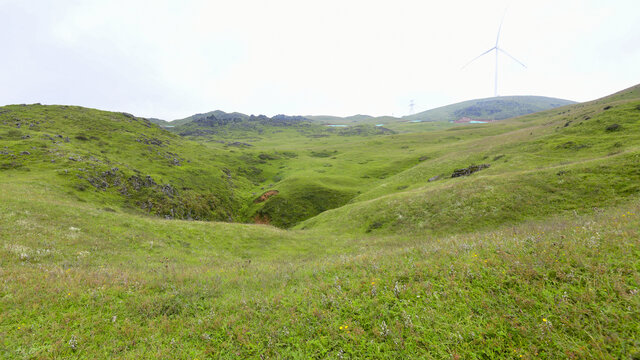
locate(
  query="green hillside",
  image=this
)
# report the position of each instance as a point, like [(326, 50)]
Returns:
[(495, 108), (256, 237), (118, 161), (577, 158), (288, 154)]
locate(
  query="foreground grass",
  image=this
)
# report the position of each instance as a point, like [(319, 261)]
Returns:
[(80, 282)]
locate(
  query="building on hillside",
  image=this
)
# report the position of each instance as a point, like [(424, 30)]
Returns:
[(467, 120)]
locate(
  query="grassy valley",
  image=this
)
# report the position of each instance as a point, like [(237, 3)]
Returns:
[(235, 236)]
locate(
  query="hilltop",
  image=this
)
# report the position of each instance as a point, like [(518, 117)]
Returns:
[(219, 114), (495, 108)]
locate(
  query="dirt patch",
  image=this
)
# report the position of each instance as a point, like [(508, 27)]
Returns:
[(266, 196), (261, 219)]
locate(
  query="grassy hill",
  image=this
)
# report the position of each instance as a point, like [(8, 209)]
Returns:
[(536, 255), (118, 161), (495, 108), (569, 159)]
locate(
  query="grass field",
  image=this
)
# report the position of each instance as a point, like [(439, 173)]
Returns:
[(535, 256)]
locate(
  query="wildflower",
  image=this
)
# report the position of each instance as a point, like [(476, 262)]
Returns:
[(543, 319), (73, 342), (340, 327), (384, 330)]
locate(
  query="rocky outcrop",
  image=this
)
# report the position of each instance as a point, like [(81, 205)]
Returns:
[(469, 170)]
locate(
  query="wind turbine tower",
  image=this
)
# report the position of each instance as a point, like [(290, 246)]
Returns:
[(498, 50), (411, 104)]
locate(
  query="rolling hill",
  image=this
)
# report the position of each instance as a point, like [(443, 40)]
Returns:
[(256, 237), (117, 160)]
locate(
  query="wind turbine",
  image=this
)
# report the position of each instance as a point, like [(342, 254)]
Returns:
[(498, 50)]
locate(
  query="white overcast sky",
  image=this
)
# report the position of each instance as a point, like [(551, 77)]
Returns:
[(171, 59)]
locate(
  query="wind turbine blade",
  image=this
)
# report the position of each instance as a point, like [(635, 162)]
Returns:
[(500, 27), (509, 55), (477, 57)]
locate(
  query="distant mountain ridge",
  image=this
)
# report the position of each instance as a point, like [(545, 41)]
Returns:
[(496, 108), (219, 117), (216, 121)]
